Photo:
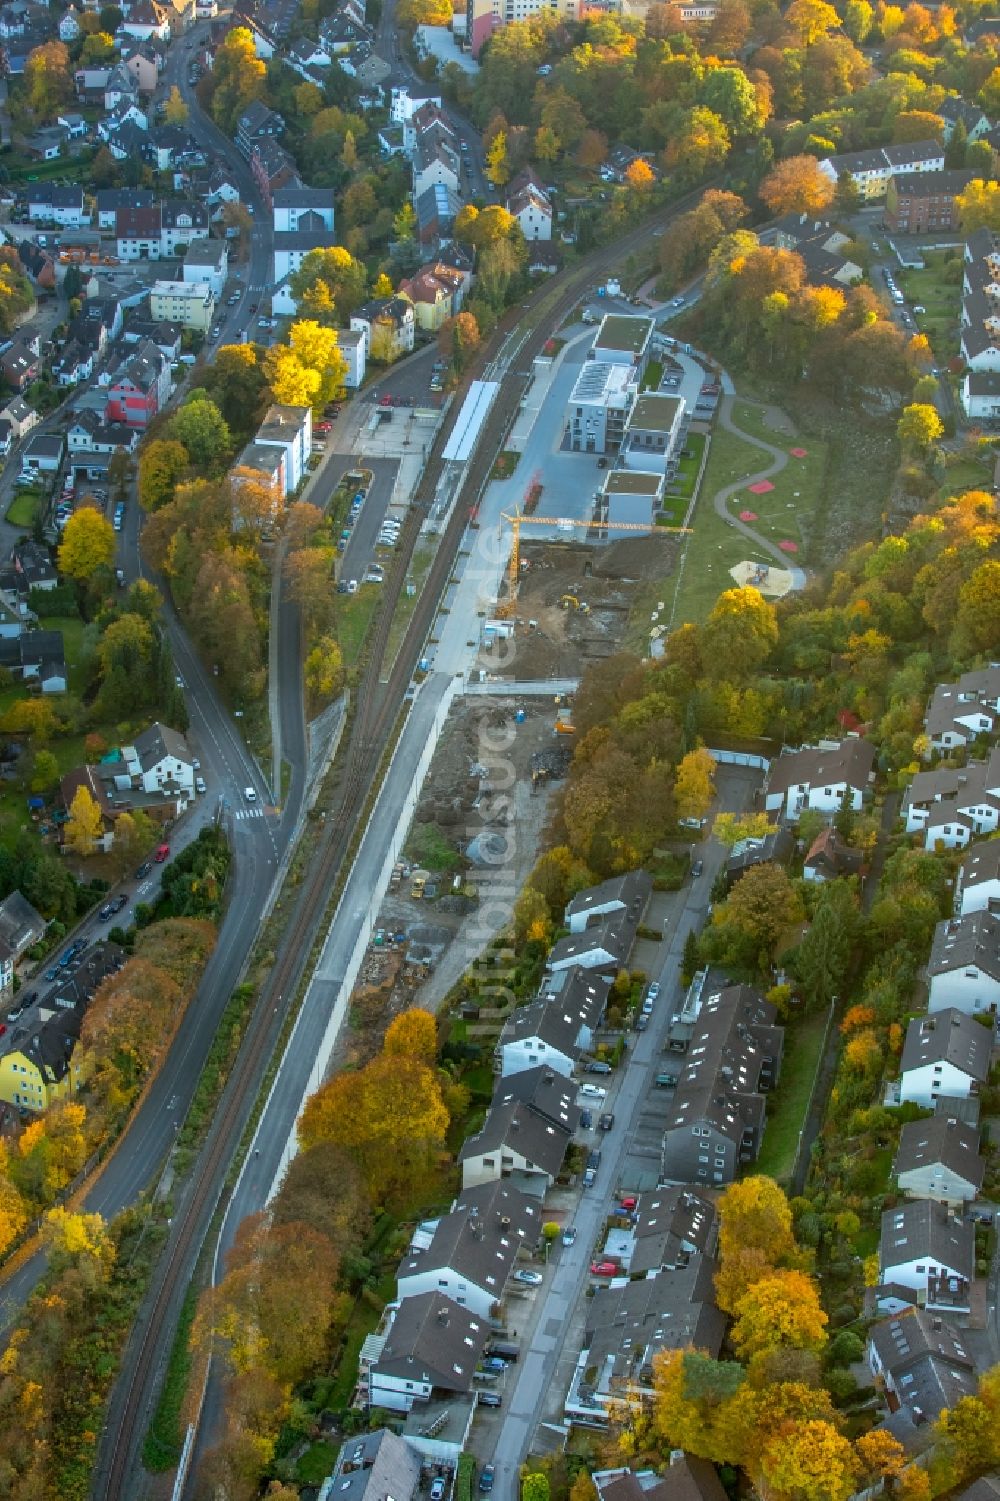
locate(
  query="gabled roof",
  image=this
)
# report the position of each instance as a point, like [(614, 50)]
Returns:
[(512, 1126), (158, 741), (376, 1467), (557, 1019), (948, 1036), (687, 1479), (549, 1094), (941, 1141), (480, 1238), (851, 761), (960, 942), (923, 1231), (829, 852), (433, 1339), (617, 892)]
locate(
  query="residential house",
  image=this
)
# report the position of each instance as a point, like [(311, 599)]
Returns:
[(160, 757), (90, 84), (531, 206), (266, 463), (389, 325), (435, 164), (604, 947), (630, 497), (775, 848), (821, 245), (516, 1145), (872, 171), (431, 122), (553, 1030), (36, 657), (145, 19), (716, 1119), (374, 1467), (47, 145), (926, 1256), (546, 1092), (431, 1345), (618, 894), (952, 805), (21, 927), (436, 209), (272, 167), (939, 1159), (126, 112), (978, 886), (88, 433), (166, 336), (623, 339), (829, 857), (955, 109), (69, 25), (291, 248), (688, 1478), (72, 364), (922, 1364), (825, 777), (189, 303), (289, 428), (257, 123), (979, 319), (172, 147), (431, 298), (920, 203), (108, 201), (599, 405), (207, 261), (353, 345), (144, 64), (222, 188), (137, 232), (139, 387), (405, 100), (38, 1066), (155, 774), (307, 58), (944, 1054), (33, 567), (962, 712), (49, 203), (298, 207), (963, 971), (629, 1323), (980, 392), (74, 124), (181, 223), (119, 86), (20, 365), (474, 1248)]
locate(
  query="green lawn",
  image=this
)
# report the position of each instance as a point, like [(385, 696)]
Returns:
[(354, 614), (931, 288), (363, 1321), (784, 513), (682, 485), (24, 508), (406, 604), (316, 1463), (786, 1109)]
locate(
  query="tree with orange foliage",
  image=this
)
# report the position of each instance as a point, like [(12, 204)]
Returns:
[(809, 1461), (639, 174), (780, 1309), (797, 186), (390, 1116), (857, 1016), (881, 1454)]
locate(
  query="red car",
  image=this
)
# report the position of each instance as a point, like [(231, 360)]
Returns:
[(324, 427), (162, 853), (385, 401), (604, 1269), (629, 1203)]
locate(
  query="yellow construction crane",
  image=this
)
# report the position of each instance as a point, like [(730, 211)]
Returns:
[(517, 519)]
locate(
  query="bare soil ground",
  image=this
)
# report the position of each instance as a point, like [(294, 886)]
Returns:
[(554, 638), (482, 747)]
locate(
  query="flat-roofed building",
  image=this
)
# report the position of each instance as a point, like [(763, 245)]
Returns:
[(632, 497)]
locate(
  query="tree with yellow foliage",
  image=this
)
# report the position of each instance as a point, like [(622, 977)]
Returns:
[(50, 1152), (780, 1309), (82, 1239), (755, 1235), (88, 544), (881, 1454), (809, 1461), (13, 1209), (731, 828), (85, 823), (639, 175), (412, 1034), (532, 920), (694, 784)]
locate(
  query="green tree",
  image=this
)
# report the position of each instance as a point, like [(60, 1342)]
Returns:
[(729, 93), (48, 79), (202, 430), (535, 1488), (238, 77), (329, 285), (823, 956), (44, 772)]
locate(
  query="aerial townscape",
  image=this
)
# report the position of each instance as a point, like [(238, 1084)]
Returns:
[(499, 750)]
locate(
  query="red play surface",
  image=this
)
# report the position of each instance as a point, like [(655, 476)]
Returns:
[(789, 546), (761, 487), (798, 453)]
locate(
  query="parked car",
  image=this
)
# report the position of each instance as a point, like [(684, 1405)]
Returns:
[(162, 854), (653, 990), (589, 1178), (607, 1120), (531, 1279), (604, 1268), (199, 784), (697, 869), (594, 1158), (438, 1488), (120, 901), (598, 1066), (594, 1091), (569, 1235), (586, 1120), (490, 1399), (486, 1478)]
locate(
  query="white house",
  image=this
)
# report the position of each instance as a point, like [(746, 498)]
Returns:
[(554, 1029), (947, 1054), (389, 325), (289, 428), (925, 1250), (300, 207), (63, 205), (963, 971), (939, 1159), (980, 395), (290, 248), (207, 261), (978, 884), (189, 303), (962, 712), (431, 1345), (824, 777), (923, 1366), (404, 102), (531, 206), (952, 805), (353, 345), (163, 758), (614, 895), (20, 928), (516, 1145), (473, 1249)]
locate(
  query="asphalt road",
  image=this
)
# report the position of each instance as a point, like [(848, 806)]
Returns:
[(258, 835)]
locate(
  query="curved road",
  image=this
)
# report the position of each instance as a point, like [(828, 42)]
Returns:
[(721, 498)]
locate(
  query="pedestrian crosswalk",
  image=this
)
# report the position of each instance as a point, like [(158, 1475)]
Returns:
[(248, 812)]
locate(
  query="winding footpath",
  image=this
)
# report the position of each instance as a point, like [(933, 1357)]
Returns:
[(722, 497)]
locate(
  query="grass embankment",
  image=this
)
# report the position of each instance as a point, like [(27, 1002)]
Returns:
[(786, 1111), (405, 605), (938, 289), (24, 508)]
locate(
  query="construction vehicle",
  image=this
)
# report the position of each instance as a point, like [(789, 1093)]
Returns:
[(570, 602), (396, 879), (516, 519), (564, 727), (419, 884)]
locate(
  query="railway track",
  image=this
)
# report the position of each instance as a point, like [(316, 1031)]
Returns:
[(378, 707)]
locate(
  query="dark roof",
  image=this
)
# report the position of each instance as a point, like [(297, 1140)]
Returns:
[(557, 1019), (511, 1125), (160, 740), (433, 1339), (851, 761), (138, 221), (948, 1037), (687, 1479), (913, 151), (970, 940), (830, 853), (549, 1094), (673, 1223), (931, 184), (376, 1467), (20, 924), (481, 1236), (776, 848), (303, 197), (921, 1230), (618, 892), (675, 1310), (944, 1141)]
